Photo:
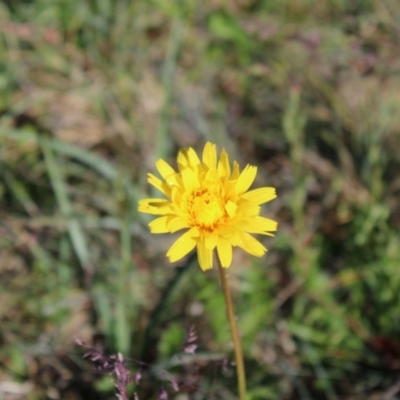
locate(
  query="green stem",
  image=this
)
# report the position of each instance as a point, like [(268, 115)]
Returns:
[(235, 334)]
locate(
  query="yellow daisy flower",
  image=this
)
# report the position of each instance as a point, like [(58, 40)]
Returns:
[(213, 203)]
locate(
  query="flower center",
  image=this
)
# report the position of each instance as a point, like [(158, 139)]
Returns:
[(206, 207)]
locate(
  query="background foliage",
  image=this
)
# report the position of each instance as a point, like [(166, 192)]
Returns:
[(94, 91)]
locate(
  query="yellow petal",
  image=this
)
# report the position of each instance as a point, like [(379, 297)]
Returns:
[(224, 169), (235, 173), (210, 241), (230, 191), (248, 243), (182, 246), (247, 209), (158, 184), (230, 208), (176, 195), (258, 225), (204, 255), (189, 179), (224, 249), (254, 247), (159, 225), (212, 175), (210, 155), (261, 195), (164, 169), (176, 223), (187, 158), (246, 178), (155, 206), (176, 180), (264, 224)]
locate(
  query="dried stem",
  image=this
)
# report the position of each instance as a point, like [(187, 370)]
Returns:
[(235, 334)]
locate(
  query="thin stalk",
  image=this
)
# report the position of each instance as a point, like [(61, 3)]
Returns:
[(235, 334), (163, 141)]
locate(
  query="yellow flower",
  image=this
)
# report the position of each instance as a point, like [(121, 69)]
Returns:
[(213, 203)]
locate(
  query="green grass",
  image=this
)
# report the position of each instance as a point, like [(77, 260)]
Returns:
[(93, 92)]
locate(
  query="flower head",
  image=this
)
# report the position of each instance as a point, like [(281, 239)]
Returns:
[(213, 203)]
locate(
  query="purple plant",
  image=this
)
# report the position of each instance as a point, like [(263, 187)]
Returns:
[(115, 365)]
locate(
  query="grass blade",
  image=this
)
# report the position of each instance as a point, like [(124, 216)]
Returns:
[(74, 228)]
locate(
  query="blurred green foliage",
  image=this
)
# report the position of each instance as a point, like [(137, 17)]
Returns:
[(94, 91)]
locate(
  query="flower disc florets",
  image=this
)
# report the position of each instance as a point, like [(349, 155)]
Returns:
[(212, 202)]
